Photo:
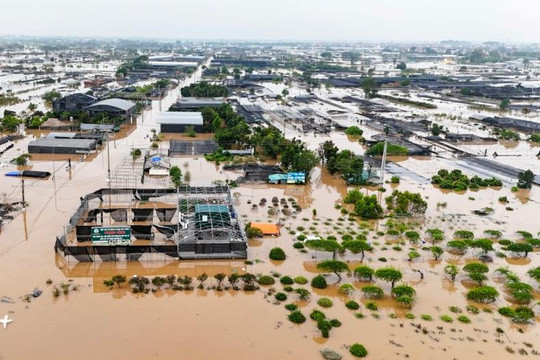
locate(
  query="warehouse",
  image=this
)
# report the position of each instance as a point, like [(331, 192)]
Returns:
[(178, 121), (112, 107), (191, 103), (62, 146)]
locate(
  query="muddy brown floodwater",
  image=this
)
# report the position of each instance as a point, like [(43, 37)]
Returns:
[(97, 322)]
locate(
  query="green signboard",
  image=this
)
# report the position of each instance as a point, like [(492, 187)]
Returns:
[(111, 235)]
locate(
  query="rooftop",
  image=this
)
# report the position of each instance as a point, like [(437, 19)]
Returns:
[(117, 103), (180, 118)]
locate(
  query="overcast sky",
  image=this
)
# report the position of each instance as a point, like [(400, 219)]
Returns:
[(347, 20)]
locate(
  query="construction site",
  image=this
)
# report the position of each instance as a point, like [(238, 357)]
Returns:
[(128, 224)]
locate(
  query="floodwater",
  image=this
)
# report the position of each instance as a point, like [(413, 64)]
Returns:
[(94, 321)]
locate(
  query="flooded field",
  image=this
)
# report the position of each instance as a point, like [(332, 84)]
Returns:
[(208, 318)]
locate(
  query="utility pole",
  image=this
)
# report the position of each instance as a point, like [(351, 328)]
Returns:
[(22, 190), (383, 162)]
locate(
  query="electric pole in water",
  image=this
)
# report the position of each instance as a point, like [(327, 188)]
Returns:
[(22, 190), (383, 162)]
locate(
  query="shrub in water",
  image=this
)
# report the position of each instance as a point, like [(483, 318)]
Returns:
[(352, 305), (300, 280), (325, 302), (358, 350), (286, 280), (291, 307), (277, 254), (266, 280), (317, 315), (297, 317), (280, 296), (319, 282)]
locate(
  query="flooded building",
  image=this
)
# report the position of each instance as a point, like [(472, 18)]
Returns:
[(113, 107), (74, 102), (154, 224), (62, 146), (179, 121)]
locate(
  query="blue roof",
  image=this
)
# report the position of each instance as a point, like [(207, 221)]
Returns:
[(211, 208)]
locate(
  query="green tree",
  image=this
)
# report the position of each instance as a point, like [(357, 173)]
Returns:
[(520, 247), (483, 294), (324, 245), (357, 246), (333, 266), (176, 175), (525, 179), (452, 271), (401, 66), (436, 251), (389, 274), (364, 272), (369, 86), (372, 292), (118, 279), (504, 104)]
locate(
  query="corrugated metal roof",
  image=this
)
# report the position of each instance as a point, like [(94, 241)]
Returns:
[(101, 127), (63, 143), (117, 103), (180, 118)]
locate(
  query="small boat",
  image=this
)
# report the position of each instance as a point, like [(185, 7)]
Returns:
[(29, 173)]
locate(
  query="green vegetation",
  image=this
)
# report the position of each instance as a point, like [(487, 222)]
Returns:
[(426, 317), (463, 234), (525, 179), (456, 180), (204, 89), (389, 274), (286, 280), (483, 294), (354, 131), (266, 280), (352, 305), (406, 203), (505, 103), (372, 292), (297, 317), (9, 123), (333, 266), (325, 302), (452, 271), (357, 246), (534, 273), (176, 175), (535, 138), (300, 280), (319, 282), (365, 206), (520, 248), (21, 160), (446, 318), (436, 235), (510, 135), (358, 350), (190, 131), (277, 254), (344, 162), (364, 273), (252, 232), (280, 296), (391, 149)]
